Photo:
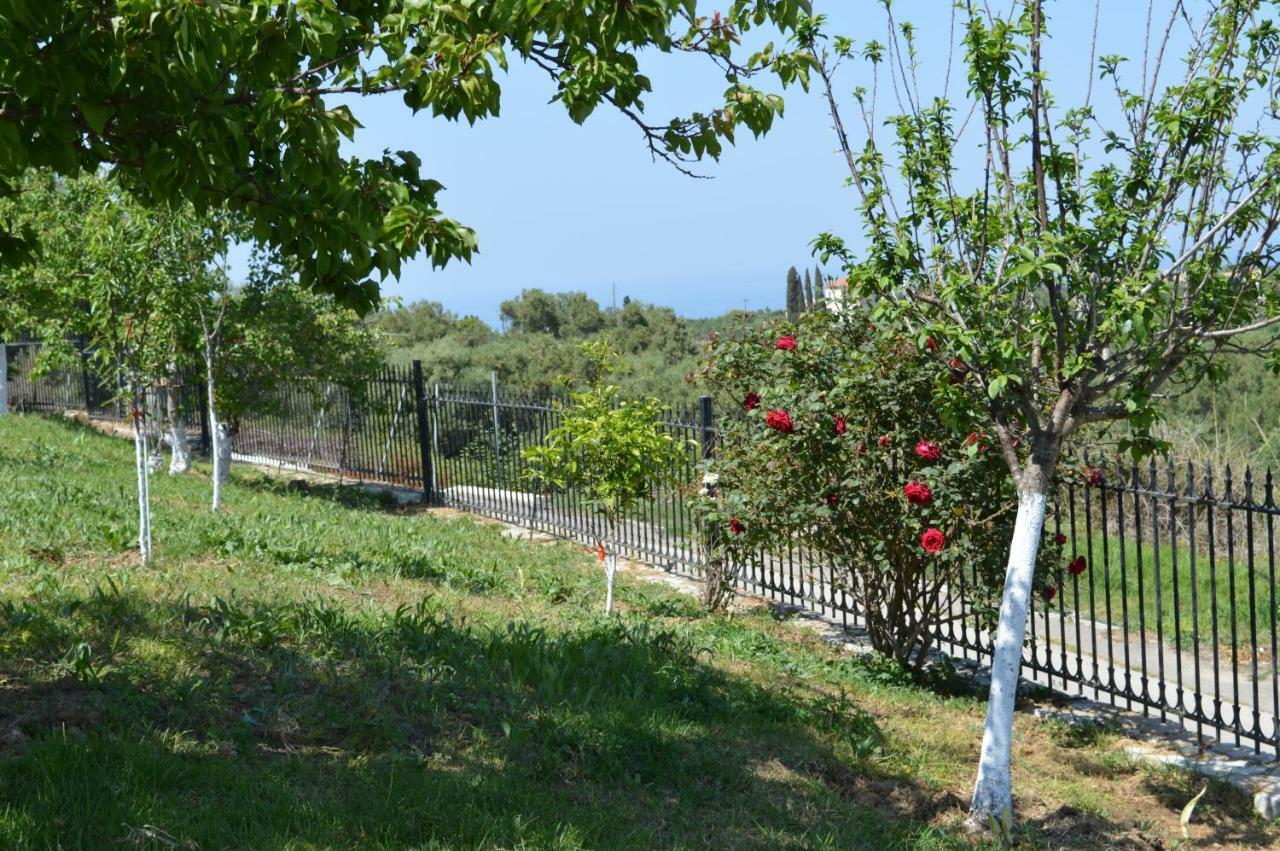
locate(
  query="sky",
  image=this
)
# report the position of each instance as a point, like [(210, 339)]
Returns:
[(566, 207)]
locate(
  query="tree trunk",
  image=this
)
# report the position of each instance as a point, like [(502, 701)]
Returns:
[(610, 570), (144, 478), (993, 791), (153, 412), (180, 447)]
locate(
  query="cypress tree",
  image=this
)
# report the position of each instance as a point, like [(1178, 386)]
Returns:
[(795, 297), (808, 291), (819, 294)]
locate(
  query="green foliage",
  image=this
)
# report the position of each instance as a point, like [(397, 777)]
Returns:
[(1080, 278), (613, 450), (832, 478), (232, 105)]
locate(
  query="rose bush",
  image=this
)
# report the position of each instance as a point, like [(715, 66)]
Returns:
[(842, 449)]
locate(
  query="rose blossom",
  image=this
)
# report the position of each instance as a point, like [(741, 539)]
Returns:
[(779, 420), (736, 527), (883, 441), (932, 541), (832, 499), (931, 344), (959, 369), (786, 342), (928, 450), (751, 401), (1049, 593), (918, 493), (1059, 539), (1078, 565), (1094, 475), (840, 425)]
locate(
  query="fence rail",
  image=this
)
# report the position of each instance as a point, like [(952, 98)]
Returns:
[(1176, 615)]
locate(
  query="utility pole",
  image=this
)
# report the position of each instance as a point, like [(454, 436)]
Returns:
[(613, 287)]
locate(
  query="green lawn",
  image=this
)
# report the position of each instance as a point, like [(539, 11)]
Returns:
[(313, 668)]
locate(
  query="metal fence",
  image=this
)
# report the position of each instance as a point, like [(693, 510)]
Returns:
[(1176, 615)]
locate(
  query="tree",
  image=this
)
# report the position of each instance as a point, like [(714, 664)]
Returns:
[(534, 312), (232, 105), (819, 294), (808, 291), (795, 295), (1080, 277), (114, 278), (612, 450), (842, 453)]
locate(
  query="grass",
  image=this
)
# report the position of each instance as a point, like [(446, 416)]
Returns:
[(315, 668), (1135, 586)]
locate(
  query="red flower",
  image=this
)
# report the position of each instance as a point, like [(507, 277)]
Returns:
[(928, 450), (932, 541), (931, 344), (959, 369), (779, 420), (786, 342), (883, 441), (736, 527), (751, 401), (832, 499), (840, 425), (1049, 593), (918, 493), (1078, 565), (1094, 475), (1059, 539), (975, 437)]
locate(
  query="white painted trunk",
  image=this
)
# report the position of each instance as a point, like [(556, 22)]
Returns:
[(144, 486), (993, 792), (179, 445), (226, 445), (4, 380), (153, 420), (610, 571)]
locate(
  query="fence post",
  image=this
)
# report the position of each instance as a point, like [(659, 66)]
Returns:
[(85, 384), (4, 379), (707, 426), (424, 436), (497, 435)]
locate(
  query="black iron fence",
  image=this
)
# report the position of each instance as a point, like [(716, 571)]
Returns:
[(1175, 614)]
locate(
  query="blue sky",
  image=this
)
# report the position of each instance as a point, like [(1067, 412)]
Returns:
[(568, 207)]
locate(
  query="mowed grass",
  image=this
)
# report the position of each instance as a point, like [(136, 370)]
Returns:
[(314, 668)]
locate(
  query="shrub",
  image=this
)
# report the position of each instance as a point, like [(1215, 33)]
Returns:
[(838, 446)]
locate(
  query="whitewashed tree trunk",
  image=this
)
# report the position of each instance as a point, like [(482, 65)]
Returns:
[(226, 445), (144, 478), (610, 571), (154, 420), (179, 445), (993, 791), (4, 380)]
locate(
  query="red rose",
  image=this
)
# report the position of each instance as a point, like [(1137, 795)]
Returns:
[(736, 527), (779, 420), (840, 425), (928, 450), (1078, 565), (786, 342), (1049, 593), (975, 437), (1059, 539), (932, 541), (751, 401), (959, 369), (931, 344), (918, 493), (832, 499), (883, 441), (1094, 475)]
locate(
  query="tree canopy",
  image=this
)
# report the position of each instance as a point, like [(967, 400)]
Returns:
[(245, 105)]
